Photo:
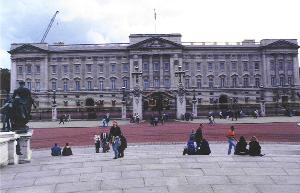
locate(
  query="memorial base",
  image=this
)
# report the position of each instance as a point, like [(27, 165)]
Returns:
[(25, 153)]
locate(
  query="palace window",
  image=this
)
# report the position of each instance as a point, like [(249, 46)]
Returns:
[(54, 69), (211, 82), (65, 69), (198, 66), (156, 83), (167, 83), (256, 66), (246, 82), (77, 85), (77, 69), (101, 68), (28, 84), (146, 83), (187, 83), (53, 85), (113, 68), (280, 64), (290, 65), (234, 65), (246, 99), (28, 69), (125, 67), (20, 70), (272, 65), (65, 86), (222, 66), (125, 83), (101, 87), (222, 82), (89, 85), (37, 69), (186, 66), (199, 83), (290, 80), (245, 65), (146, 67), (156, 66), (167, 66), (234, 81), (281, 80), (210, 67), (273, 81), (113, 83), (37, 86), (89, 68), (257, 82)]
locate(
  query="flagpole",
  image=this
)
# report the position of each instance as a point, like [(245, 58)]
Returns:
[(154, 21)]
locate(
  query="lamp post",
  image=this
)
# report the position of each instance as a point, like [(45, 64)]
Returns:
[(181, 101), (123, 103), (262, 101), (194, 101), (54, 109), (137, 99)]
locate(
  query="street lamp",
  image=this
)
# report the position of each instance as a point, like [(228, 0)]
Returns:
[(54, 97), (179, 73), (123, 98), (194, 100)]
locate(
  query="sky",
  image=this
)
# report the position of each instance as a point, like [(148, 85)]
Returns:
[(112, 21)]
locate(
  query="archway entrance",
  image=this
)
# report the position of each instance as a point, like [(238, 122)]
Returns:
[(223, 101), (90, 108)]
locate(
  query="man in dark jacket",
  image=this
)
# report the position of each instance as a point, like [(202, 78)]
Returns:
[(254, 147), (114, 138), (241, 147)]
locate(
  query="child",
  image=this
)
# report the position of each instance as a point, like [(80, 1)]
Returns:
[(97, 143), (104, 142)]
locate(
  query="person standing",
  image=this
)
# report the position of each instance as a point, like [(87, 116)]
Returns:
[(231, 139), (97, 143), (114, 137)]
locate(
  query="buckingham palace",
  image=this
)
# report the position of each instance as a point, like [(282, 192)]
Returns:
[(156, 73)]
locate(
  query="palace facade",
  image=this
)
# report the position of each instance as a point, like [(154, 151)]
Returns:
[(91, 76)]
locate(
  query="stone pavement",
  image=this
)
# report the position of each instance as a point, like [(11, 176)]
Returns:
[(157, 169)]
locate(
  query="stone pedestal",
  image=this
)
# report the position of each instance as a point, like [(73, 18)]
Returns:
[(195, 113), (24, 142), (123, 111), (8, 148), (54, 114), (263, 109), (181, 105), (137, 106)]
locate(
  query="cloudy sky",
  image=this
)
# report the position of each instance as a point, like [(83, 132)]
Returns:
[(101, 21)]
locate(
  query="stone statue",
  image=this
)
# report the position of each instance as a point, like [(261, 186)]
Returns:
[(21, 108), (6, 114)]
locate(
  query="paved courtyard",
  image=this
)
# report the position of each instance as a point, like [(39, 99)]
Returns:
[(157, 169)]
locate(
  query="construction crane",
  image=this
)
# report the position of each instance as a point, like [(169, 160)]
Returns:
[(49, 27)]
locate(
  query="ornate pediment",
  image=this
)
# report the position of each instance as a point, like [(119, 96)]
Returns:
[(281, 44), (27, 48), (156, 43)]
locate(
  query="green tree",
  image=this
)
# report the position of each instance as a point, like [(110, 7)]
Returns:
[(5, 79)]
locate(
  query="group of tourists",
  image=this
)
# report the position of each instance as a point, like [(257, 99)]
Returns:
[(198, 145), (155, 119), (64, 118), (56, 150), (240, 148)]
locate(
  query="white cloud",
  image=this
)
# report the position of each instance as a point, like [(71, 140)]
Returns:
[(96, 37), (4, 59)]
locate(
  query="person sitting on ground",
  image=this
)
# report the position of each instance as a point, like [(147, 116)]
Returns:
[(204, 148), (123, 145), (198, 135), (55, 150), (254, 147), (67, 150), (241, 147), (190, 148)]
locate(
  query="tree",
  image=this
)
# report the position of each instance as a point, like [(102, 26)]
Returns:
[(5, 79)]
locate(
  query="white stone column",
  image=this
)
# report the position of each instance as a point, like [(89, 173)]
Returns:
[(137, 103), (263, 108), (8, 148), (54, 113), (26, 151), (296, 71), (195, 112), (13, 76), (123, 110)]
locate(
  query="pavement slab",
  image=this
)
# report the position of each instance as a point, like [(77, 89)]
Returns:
[(149, 168)]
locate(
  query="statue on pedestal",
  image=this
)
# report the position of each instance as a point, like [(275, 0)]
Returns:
[(21, 108)]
